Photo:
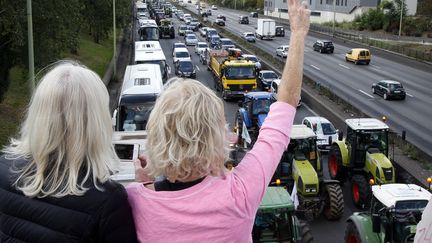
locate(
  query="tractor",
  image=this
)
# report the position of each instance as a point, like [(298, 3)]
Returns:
[(253, 110), (395, 211), (166, 29), (362, 157), (276, 221), (300, 171)]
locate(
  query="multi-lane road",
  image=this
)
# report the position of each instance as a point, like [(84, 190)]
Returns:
[(353, 82)]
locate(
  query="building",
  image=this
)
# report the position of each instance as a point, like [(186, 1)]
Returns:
[(323, 10)]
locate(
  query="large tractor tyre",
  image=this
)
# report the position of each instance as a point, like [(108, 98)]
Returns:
[(305, 232), (360, 191), (335, 167), (352, 235), (334, 202)]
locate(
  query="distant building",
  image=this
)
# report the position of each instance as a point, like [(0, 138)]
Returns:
[(322, 10)]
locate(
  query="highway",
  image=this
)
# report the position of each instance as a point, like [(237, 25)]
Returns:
[(353, 82)]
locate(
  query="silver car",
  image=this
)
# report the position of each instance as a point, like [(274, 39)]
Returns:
[(282, 51), (191, 40), (200, 47)]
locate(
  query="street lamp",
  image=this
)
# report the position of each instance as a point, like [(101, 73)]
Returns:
[(114, 41), (30, 45), (334, 17), (400, 19)]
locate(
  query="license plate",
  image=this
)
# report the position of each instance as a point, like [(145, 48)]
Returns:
[(397, 91)]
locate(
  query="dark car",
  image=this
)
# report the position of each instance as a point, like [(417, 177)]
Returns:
[(243, 20), (215, 42), (389, 89), (220, 22), (185, 68), (254, 14), (210, 33), (323, 46), (280, 31)]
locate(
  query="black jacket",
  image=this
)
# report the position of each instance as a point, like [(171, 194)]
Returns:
[(94, 217)]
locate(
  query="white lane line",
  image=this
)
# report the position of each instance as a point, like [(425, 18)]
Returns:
[(410, 95), (197, 67), (370, 96), (375, 66), (317, 68), (344, 66)]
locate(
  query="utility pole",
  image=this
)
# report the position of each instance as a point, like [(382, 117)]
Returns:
[(114, 41), (199, 7), (235, 4), (334, 17), (400, 19), (30, 45)]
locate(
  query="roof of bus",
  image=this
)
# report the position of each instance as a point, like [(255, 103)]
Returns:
[(142, 79)]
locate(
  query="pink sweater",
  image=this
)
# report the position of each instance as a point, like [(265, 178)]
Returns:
[(217, 209)]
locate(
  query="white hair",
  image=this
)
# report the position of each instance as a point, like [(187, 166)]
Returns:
[(66, 135), (187, 132)]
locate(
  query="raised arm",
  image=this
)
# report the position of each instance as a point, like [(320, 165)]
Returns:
[(290, 87)]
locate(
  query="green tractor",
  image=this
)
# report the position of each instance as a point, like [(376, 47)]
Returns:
[(395, 211), (301, 172), (166, 28), (362, 157), (275, 220)]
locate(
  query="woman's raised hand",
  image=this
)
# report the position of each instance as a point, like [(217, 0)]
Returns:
[(299, 16)]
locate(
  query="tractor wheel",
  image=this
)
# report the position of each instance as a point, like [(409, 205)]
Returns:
[(351, 234), (305, 232), (360, 191), (336, 170), (334, 202)]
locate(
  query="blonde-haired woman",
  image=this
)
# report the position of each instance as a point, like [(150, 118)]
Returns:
[(199, 201), (54, 177)]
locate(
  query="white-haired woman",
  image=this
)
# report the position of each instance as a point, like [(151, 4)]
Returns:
[(54, 178), (199, 201)]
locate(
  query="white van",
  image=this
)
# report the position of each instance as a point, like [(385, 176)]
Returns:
[(142, 84), (150, 52), (324, 129)]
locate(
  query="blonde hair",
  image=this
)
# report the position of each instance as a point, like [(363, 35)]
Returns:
[(186, 132), (66, 135)]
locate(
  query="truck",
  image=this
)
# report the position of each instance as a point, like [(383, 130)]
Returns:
[(266, 29), (233, 76)]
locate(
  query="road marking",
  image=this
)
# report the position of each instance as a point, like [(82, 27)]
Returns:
[(317, 68), (375, 66), (197, 67), (344, 66), (370, 96), (410, 95)]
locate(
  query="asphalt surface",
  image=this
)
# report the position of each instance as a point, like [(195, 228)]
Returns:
[(353, 82)]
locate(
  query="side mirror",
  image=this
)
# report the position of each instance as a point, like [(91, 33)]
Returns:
[(376, 223), (114, 118), (340, 135)]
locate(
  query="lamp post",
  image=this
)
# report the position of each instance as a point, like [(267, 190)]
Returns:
[(334, 17), (114, 41), (400, 19), (30, 45), (199, 7)]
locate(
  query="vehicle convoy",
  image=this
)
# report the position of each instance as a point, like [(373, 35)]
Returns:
[(276, 221), (266, 29), (233, 76), (251, 115), (300, 170), (361, 156), (166, 28), (395, 211)]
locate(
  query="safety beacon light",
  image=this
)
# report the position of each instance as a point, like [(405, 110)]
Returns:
[(278, 182), (371, 182)]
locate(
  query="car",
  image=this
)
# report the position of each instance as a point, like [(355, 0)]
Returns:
[(187, 20), (184, 68), (323, 46), (203, 56), (181, 54), (215, 42), (227, 43), (282, 51), (254, 14), (200, 47), (254, 59), (274, 89), (203, 31), (249, 36), (358, 55), (324, 129), (194, 26), (220, 22), (214, 7), (243, 19), (178, 45), (191, 40), (220, 16), (208, 12), (210, 32), (187, 32), (280, 31), (265, 78), (182, 29), (389, 89)]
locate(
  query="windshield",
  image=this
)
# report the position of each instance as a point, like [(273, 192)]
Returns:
[(373, 139), (270, 75), (182, 54), (303, 149), (252, 58), (226, 42), (202, 45), (261, 106), (240, 72), (149, 33), (183, 28), (133, 117), (395, 86), (328, 44), (250, 35), (191, 37), (328, 129), (407, 215), (186, 66), (215, 39)]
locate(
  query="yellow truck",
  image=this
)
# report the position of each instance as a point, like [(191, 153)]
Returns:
[(233, 76)]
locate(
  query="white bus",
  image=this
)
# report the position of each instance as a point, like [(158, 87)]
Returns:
[(150, 52)]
